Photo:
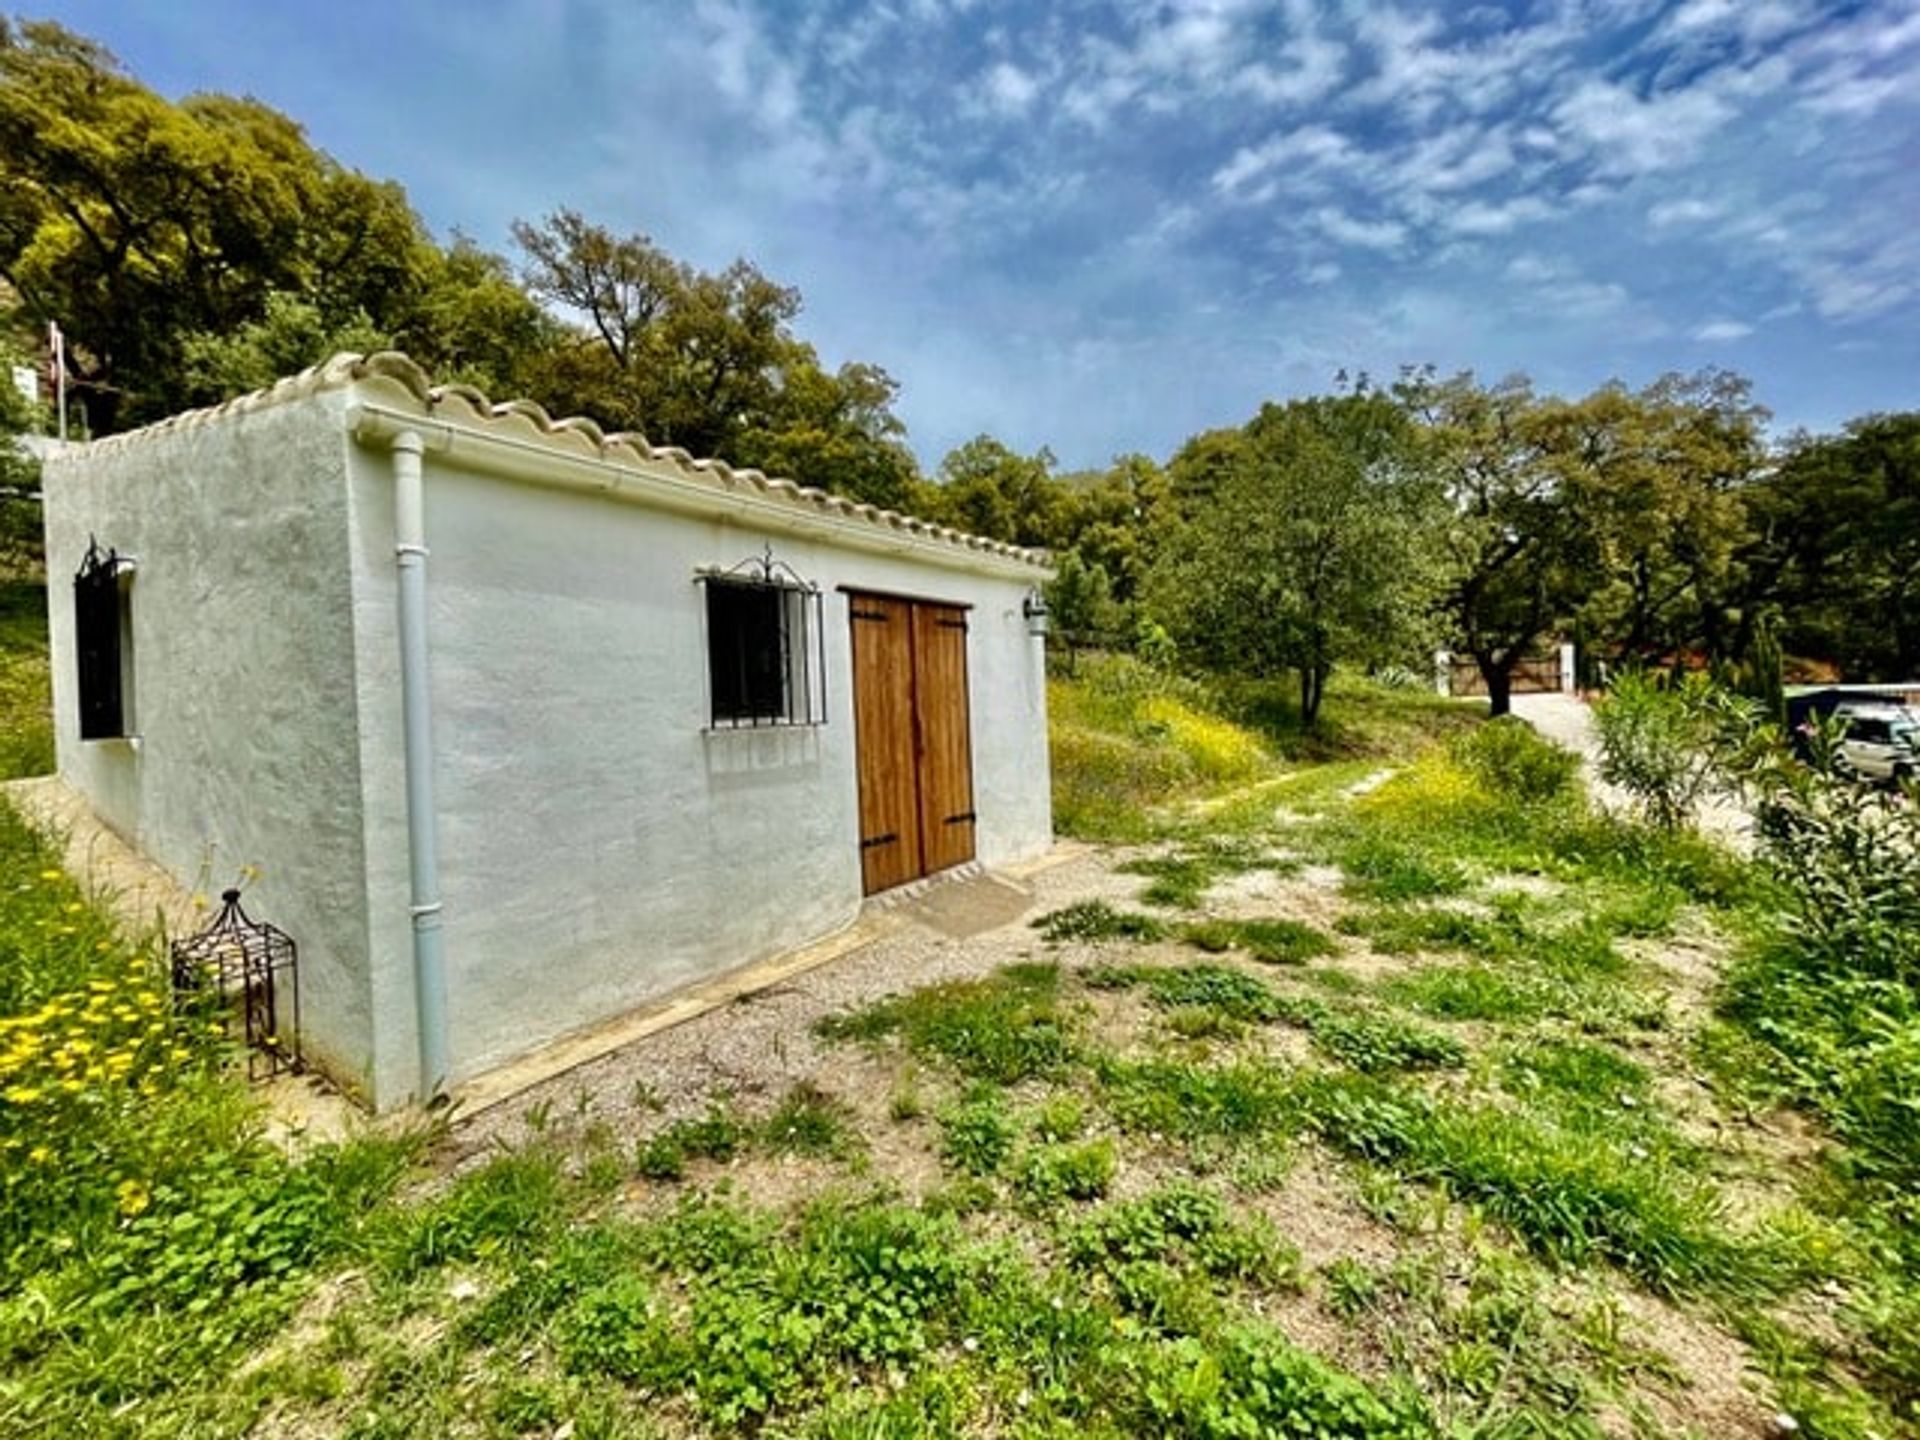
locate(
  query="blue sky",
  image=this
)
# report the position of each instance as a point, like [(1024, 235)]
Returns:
[(1104, 226)]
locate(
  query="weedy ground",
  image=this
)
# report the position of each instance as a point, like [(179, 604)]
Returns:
[(1344, 1105)]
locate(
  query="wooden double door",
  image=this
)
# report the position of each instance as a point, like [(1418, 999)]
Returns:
[(911, 731)]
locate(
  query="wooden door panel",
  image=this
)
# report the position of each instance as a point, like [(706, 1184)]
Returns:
[(890, 852), (946, 752)]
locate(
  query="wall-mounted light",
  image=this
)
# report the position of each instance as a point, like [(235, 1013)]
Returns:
[(1034, 607)]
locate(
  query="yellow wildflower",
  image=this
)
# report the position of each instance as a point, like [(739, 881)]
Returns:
[(21, 1094), (40, 1154), (133, 1197), (49, 874)]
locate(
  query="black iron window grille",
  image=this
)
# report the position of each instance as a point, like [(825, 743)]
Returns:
[(250, 971), (766, 653), (103, 643)]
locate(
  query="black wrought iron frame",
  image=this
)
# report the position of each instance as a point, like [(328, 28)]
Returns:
[(802, 638), (254, 962)]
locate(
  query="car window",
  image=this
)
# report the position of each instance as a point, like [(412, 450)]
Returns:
[(1874, 732)]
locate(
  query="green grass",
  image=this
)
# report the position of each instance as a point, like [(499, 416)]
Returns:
[(1006, 1028), (1131, 745), (1273, 941), (26, 691), (1091, 1257)]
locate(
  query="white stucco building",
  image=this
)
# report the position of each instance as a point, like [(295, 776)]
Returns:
[(523, 725)]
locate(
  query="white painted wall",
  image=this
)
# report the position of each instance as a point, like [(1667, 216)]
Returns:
[(243, 678), (598, 846)]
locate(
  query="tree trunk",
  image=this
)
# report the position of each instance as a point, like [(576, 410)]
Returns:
[(1313, 687), (1499, 680)]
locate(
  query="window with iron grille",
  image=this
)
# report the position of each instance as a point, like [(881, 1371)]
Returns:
[(103, 643), (764, 658)]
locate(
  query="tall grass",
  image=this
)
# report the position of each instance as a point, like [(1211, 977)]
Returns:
[(26, 690)]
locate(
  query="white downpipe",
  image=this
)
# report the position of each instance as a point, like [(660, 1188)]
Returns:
[(429, 952)]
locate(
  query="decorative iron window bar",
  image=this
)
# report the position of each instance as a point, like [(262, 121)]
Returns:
[(766, 647), (256, 965)]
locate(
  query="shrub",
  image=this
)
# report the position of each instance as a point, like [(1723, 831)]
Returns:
[(1511, 759), (1660, 743)]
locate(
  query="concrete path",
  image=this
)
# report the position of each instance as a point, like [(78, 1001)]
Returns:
[(1568, 720)]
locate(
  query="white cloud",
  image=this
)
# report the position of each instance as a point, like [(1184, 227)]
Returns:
[(1009, 89), (1669, 213), (1311, 146), (1634, 136), (1339, 226), (1718, 331), (1477, 217), (1313, 67)]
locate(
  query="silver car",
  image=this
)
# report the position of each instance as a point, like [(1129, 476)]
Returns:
[(1882, 742)]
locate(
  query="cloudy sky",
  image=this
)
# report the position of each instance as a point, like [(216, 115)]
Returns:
[(1104, 226)]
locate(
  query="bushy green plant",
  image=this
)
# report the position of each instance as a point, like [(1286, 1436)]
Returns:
[(1005, 1028), (1049, 1174), (1275, 941), (1094, 920), (717, 1135), (977, 1135), (1660, 742), (1510, 758)]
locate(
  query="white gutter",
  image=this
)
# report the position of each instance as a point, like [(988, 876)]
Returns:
[(518, 458), (429, 955)]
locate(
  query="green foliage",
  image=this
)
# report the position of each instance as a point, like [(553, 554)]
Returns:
[(1128, 739), (1189, 1101), (290, 334), (809, 1122), (718, 1135), (1381, 867), (1251, 1381), (1050, 1174), (1658, 743), (1509, 757), (1373, 1042), (1181, 1228), (26, 688), (1232, 993), (1565, 1192), (1005, 1028), (1835, 527), (1270, 941), (978, 1135), (1096, 920), (1314, 545)]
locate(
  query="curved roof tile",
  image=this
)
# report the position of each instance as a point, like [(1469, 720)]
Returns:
[(568, 433)]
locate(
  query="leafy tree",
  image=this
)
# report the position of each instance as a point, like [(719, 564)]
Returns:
[(470, 322), (708, 362), (1114, 519), (1081, 602), (1659, 475), (20, 542), (1519, 551), (135, 222), (1315, 548), (837, 432), (289, 336), (991, 490), (1835, 545)]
